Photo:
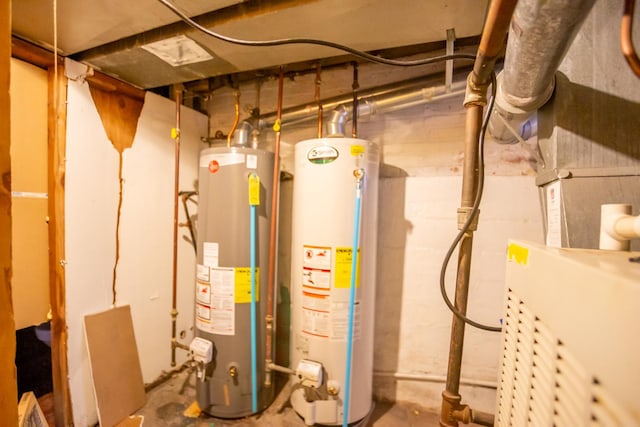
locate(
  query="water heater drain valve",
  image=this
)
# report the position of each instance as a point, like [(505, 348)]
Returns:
[(309, 373)]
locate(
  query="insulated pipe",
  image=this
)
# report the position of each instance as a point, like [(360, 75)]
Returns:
[(617, 227), (273, 236), (491, 43), (541, 35)]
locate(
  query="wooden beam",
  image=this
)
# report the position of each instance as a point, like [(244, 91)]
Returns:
[(57, 124), (8, 379), (29, 52)]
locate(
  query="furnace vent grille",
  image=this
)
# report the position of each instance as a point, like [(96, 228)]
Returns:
[(542, 384)]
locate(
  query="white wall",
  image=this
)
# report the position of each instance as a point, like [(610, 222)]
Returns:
[(419, 194), (144, 275)]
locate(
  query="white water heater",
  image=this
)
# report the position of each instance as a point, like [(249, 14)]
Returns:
[(324, 195)]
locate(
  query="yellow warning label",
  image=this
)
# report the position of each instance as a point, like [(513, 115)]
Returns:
[(254, 189), (242, 281), (518, 254), (356, 150), (342, 278)]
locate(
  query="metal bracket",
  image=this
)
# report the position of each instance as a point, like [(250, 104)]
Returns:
[(463, 216), (448, 74)]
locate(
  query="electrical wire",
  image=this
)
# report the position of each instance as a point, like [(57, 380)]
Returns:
[(472, 214), (393, 62), (285, 41)]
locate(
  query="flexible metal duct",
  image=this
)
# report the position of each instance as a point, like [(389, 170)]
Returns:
[(540, 35)]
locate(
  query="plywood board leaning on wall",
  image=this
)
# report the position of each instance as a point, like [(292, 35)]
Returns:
[(115, 366)]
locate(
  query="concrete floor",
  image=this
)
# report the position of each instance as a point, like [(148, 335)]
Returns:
[(167, 402)]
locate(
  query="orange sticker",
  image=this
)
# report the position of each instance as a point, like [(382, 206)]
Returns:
[(214, 166)]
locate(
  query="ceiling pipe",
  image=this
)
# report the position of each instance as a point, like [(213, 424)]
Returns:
[(492, 41), (541, 33), (307, 112), (388, 98), (389, 102)]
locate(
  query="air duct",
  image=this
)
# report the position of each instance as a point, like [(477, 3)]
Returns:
[(387, 98), (540, 35)]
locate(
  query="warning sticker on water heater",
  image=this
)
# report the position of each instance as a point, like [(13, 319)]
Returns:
[(215, 308), (344, 266), (340, 321)]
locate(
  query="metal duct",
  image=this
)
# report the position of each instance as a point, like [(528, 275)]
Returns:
[(387, 98), (540, 35), (389, 102)]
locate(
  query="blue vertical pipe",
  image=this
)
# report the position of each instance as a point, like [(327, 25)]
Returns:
[(352, 297), (254, 359)]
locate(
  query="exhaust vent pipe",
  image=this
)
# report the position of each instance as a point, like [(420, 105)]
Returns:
[(540, 35)]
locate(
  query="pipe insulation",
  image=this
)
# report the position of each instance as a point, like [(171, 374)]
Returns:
[(540, 35)]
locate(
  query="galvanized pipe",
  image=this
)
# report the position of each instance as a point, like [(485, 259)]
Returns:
[(491, 43), (541, 35), (389, 102)]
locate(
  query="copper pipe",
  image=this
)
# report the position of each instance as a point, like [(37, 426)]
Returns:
[(626, 40), (473, 125), (317, 99), (491, 43), (273, 236), (176, 183), (235, 120)]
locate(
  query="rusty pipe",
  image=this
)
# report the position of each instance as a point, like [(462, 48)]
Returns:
[(626, 40), (491, 43), (176, 185), (269, 318)]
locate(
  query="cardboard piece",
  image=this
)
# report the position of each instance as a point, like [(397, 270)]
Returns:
[(29, 412), (115, 366)]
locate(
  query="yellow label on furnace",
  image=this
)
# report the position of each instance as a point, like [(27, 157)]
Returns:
[(356, 150), (342, 278), (242, 285), (518, 254), (254, 189)]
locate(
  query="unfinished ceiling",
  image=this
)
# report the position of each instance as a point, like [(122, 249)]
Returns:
[(114, 36)]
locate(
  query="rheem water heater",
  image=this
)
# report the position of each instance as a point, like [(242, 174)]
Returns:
[(231, 181)]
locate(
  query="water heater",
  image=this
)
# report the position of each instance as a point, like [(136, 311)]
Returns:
[(226, 386), (325, 202)]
